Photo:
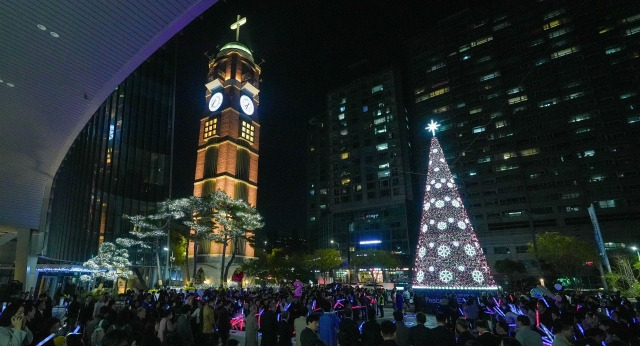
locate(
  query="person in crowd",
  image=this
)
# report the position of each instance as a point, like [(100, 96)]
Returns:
[(399, 301), (139, 321), (524, 334), (49, 327), (251, 327), (470, 311), (501, 329), (166, 325), (402, 331), (348, 333), (285, 331), (371, 330), (328, 325), (269, 326), (209, 335), (196, 320), (462, 329), (509, 341), (440, 334), (381, 300), (485, 337), (309, 336), (183, 327), (100, 319), (74, 340), (419, 334), (388, 332), (300, 323), (122, 322), (117, 337), (13, 329), (563, 333)]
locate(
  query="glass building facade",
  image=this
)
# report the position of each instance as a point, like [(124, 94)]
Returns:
[(119, 164), (359, 185), (539, 103)]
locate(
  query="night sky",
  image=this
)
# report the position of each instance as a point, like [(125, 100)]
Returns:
[(309, 48)]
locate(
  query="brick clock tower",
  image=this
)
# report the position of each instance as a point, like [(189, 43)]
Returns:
[(229, 135)]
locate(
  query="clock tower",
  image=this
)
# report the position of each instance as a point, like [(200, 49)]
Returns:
[(228, 142)]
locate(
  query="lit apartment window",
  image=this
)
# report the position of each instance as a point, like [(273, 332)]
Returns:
[(588, 153), (632, 31), (633, 119), (501, 123), (530, 152), (382, 146), (344, 132), (579, 117), (573, 96), (610, 203), (478, 129), (627, 95), (376, 89), (343, 100), (554, 23), (472, 173), (481, 41), (341, 116), (602, 30), (554, 13), (436, 67), (323, 191), (564, 52), (514, 90), (438, 92), (247, 131), (560, 32), (312, 219), (475, 110), (632, 19), (501, 25), (548, 103), (597, 178), (583, 130), (381, 129), (490, 76), (495, 115), (484, 159), (505, 167), (509, 155), (365, 109), (571, 208), (346, 181), (517, 99), (312, 192), (343, 108), (379, 121), (344, 156), (210, 127), (612, 50), (441, 109)]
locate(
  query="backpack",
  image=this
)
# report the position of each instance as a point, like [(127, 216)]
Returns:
[(97, 335)]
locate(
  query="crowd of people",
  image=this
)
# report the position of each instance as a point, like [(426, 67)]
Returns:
[(321, 315)]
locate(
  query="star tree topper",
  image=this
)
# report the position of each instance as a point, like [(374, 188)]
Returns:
[(433, 126)]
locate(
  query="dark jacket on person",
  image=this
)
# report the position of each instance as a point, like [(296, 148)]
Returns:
[(488, 339), (348, 333), (309, 338), (464, 337), (285, 333), (442, 336), (371, 334), (419, 335)]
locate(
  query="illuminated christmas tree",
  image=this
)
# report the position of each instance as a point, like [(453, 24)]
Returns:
[(448, 255)]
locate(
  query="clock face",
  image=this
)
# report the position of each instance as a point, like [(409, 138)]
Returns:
[(246, 104), (215, 102)]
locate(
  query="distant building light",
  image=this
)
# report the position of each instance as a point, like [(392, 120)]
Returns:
[(369, 242)]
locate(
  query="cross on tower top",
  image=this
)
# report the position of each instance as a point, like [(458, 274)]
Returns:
[(236, 26)]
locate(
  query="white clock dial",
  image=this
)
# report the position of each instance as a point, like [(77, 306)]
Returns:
[(246, 104), (215, 102)]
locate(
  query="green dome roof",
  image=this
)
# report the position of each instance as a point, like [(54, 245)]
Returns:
[(236, 47)]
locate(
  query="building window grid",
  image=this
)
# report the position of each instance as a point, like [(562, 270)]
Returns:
[(210, 127), (247, 131)]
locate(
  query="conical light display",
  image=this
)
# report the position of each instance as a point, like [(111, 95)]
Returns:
[(448, 255)]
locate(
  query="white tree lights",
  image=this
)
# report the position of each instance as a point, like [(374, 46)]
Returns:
[(448, 255)]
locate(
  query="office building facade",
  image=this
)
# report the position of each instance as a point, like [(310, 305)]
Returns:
[(358, 169), (539, 103), (119, 164)]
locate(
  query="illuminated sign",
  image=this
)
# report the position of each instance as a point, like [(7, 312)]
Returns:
[(369, 242)]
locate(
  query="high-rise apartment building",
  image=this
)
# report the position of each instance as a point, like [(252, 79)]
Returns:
[(358, 169), (119, 164), (539, 103)]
